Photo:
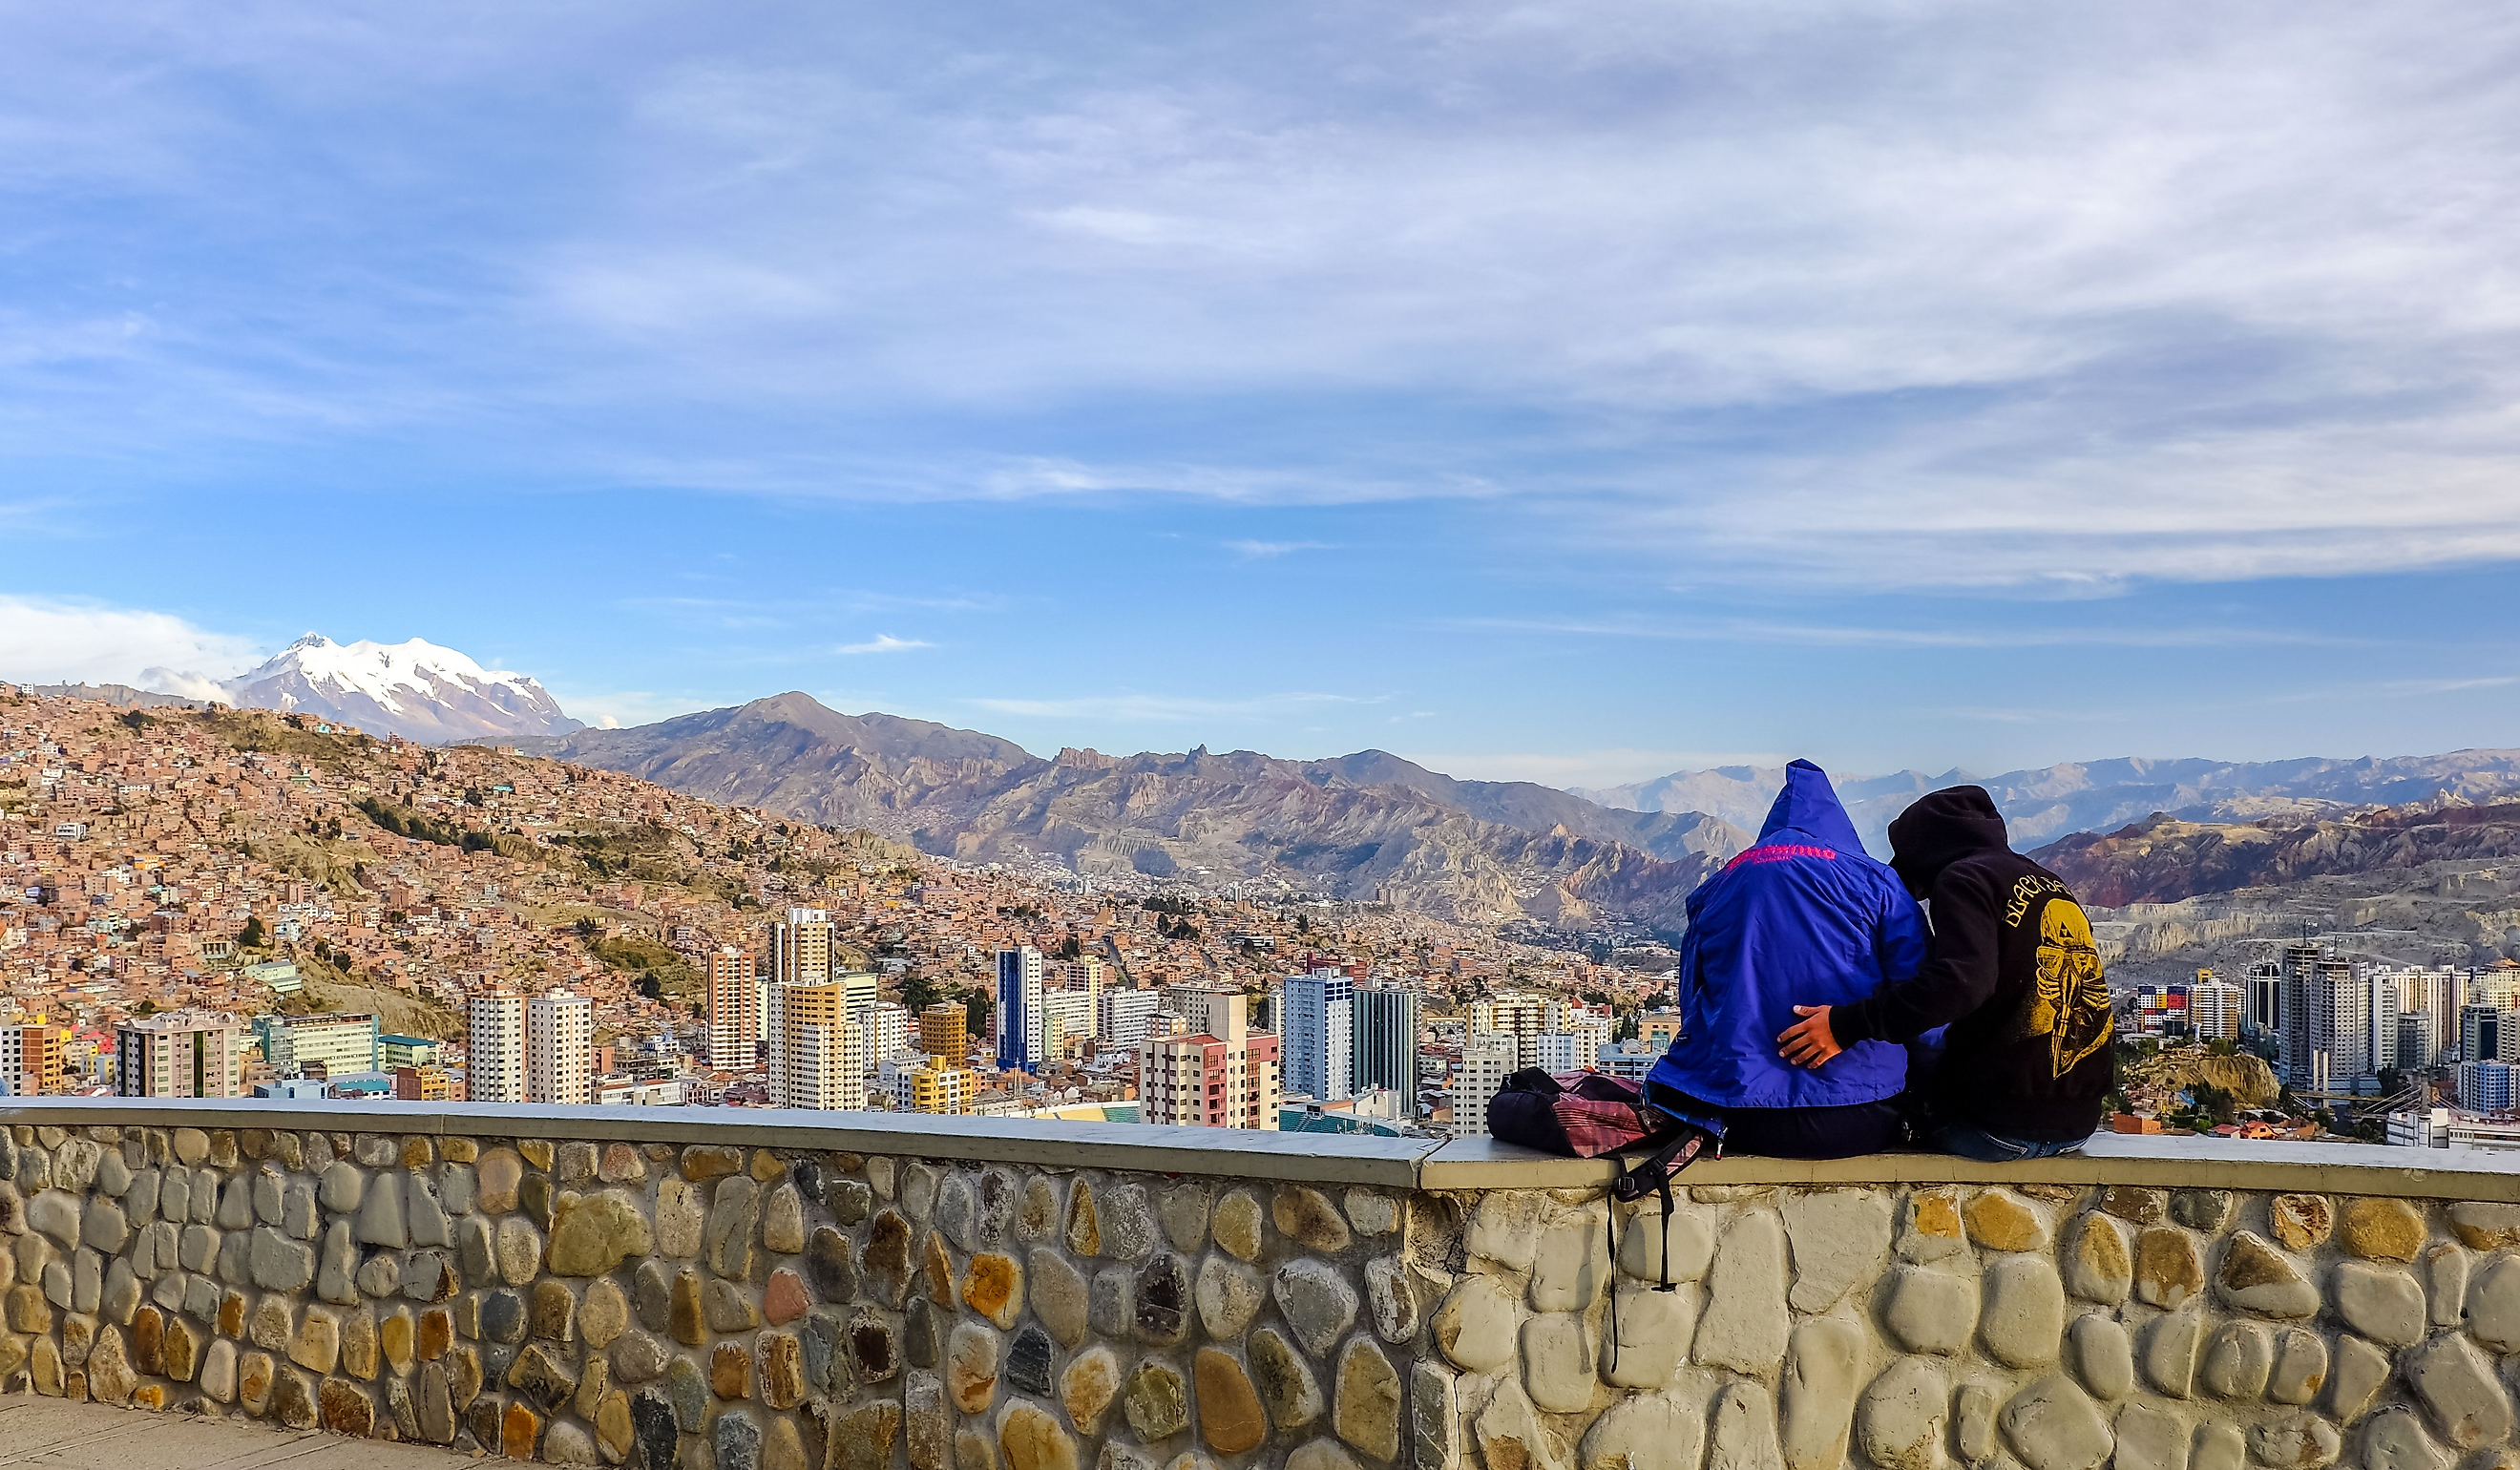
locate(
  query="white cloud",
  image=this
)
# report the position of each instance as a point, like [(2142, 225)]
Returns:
[(48, 641), (883, 643), (1271, 550)]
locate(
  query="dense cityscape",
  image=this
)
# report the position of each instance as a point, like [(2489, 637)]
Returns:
[(244, 904)]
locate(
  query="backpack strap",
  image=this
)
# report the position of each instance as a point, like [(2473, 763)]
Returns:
[(1653, 1170)]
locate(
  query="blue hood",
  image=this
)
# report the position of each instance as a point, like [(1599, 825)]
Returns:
[(1809, 805), (1804, 916)]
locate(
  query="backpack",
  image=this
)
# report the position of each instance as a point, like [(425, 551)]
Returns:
[(1590, 1115)]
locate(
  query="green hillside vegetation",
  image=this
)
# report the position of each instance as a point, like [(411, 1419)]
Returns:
[(284, 735), (407, 821), (660, 973)]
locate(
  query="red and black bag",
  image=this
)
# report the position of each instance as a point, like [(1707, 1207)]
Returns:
[(1592, 1115)]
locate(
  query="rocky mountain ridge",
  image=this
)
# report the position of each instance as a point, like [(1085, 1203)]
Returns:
[(1369, 826), (2049, 802), (2164, 860), (415, 689)]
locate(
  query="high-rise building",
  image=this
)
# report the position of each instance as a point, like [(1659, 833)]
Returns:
[(177, 1054), (37, 1060), (1023, 1038), (2488, 1033), (2214, 1008), (865, 991), (1123, 1015), (1488, 1058), (945, 1030), (1066, 1020), (2416, 1049), (560, 1048), (494, 1067), (2265, 989), (2327, 1014), (1520, 1016), (888, 1030), (2485, 1087), (1225, 1077), (733, 1010), (1575, 1048), (801, 948), (1318, 1038), (1388, 1021), (818, 1056)]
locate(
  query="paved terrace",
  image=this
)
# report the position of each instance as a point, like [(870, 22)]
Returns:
[(282, 1282)]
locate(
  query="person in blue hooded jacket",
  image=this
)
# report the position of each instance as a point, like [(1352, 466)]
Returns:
[(1802, 914)]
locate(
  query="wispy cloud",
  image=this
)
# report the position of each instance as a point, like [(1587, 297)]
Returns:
[(883, 643), (1271, 550), (1858, 636)]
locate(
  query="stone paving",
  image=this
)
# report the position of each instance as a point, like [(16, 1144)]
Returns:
[(66, 1436)]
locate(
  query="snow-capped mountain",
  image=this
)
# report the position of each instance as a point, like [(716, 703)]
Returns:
[(415, 689)]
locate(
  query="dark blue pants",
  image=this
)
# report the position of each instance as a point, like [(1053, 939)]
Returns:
[(1800, 1133)]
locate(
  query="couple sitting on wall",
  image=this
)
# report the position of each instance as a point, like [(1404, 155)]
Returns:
[(1822, 1017)]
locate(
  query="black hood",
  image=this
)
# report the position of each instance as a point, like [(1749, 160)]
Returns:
[(1939, 829)]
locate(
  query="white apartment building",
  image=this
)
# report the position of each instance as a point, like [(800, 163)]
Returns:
[(2214, 1009), (1066, 1018), (1488, 1058), (733, 1010), (888, 1029), (1123, 1015), (560, 1048), (494, 1069)]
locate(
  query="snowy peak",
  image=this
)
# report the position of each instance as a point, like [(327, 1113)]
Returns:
[(416, 690)]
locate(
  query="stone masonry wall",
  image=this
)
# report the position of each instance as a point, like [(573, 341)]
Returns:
[(773, 1309), (627, 1302), (2051, 1327)]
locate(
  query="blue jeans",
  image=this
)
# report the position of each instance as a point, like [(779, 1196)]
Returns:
[(1970, 1142)]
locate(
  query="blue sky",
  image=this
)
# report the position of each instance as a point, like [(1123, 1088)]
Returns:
[(1575, 392)]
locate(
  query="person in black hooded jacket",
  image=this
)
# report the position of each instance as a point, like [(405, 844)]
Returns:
[(2010, 972)]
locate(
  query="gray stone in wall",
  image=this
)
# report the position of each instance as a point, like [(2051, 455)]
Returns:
[(1557, 1361), (202, 1298), (1475, 1326), (1112, 1308), (1319, 1304), (381, 1216), (2493, 1303), (1570, 1262), (2024, 1315), (1741, 1434), (1973, 1410), (1644, 1432), (2446, 1279), (1435, 1420), (1839, 1238), (2237, 1360), (2360, 1371), (336, 1261), (2104, 1356), (299, 1215), (957, 1213), (87, 1279), (1510, 1435), (2294, 1442), (1390, 1300), (681, 1213), (1902, 1418), (1931, 1310), (1228, 1293), (140, 1199), (121, 1293), (1127, 1221), (1647, 1338), (1506, 1227), (520, 1250), (2395, 1440), (2380, 1302), (1817, 1392), (1743, 1325), (1287, 1386), (270, 1195), (2459, 1392), (277, 1263), (379, 1274), (2258, 1279), (2150, 1438), (55, 1215), (174, 1192), (2300, 1368), (2170, 1345), (1182, 1209), (1640, 1243), (733, 1221), (457, 1188), (424, 1217), (2053, 1425)]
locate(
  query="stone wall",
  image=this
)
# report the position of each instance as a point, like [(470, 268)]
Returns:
[(2052, 1326), (764, 1300)]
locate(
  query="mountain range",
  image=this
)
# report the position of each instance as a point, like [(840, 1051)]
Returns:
[(415, 689), (1365, 826), (1373, 825), (2049, 802)]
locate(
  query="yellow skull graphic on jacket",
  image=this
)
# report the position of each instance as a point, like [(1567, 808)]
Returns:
[(2071, 1005)]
